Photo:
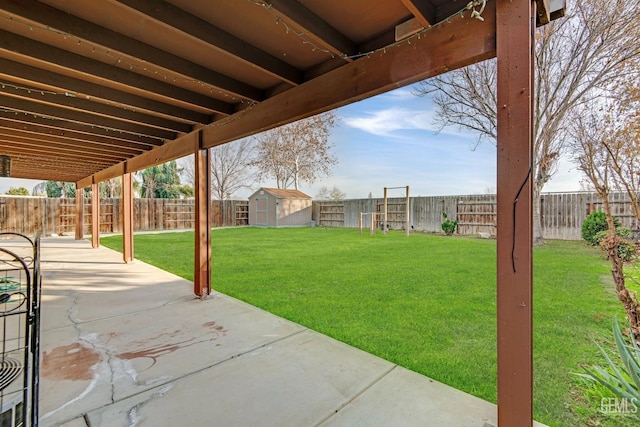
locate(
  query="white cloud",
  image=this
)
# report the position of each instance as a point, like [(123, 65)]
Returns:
[(388, 121), (402, 94), (392, 121)]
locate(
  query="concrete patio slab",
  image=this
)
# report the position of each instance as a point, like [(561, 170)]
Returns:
[(128, 345)]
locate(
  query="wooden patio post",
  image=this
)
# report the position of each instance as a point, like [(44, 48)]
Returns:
[(79, 213), (515, 44), (407, 213), (95, 215), (384, 224), (202, 273), (127, 217)]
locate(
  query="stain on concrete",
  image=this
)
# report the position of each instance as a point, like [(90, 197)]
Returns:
[(153, 352), (215, 327), (71, 362)]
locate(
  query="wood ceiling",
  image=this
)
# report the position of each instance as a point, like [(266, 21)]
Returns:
[(92, 89)]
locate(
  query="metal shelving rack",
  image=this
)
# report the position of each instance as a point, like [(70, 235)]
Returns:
[(19, 329)]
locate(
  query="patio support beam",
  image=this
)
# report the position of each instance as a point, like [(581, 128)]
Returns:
[(516, 21), (202, 273), (127, 217), (95, 215), (444, 48), (79, 213)]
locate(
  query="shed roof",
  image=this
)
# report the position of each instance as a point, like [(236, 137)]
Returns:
[(280, 193)]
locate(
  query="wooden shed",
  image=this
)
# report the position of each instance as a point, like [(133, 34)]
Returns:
[(275, 207)]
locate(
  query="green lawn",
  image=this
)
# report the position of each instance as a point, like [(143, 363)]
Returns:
[(426, 302)]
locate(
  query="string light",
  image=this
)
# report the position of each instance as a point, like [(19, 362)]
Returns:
[(29, 89), (53, 118), (117, 58), (477, 14)]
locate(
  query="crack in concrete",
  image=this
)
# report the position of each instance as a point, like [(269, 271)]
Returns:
[(133, 418), (91, 341)]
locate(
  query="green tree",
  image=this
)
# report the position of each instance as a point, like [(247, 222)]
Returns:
[(20, 191), (161, 182), (55, 189)]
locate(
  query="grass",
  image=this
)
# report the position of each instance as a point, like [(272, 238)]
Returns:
[(426, 302)]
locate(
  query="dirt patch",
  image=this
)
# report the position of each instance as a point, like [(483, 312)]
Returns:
[(71, 362)]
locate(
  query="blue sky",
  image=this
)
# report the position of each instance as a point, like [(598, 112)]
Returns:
[(391, 141)]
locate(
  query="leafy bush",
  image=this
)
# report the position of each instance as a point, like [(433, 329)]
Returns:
[(594, 224), (623, 381), (626, 249), (448, 226)]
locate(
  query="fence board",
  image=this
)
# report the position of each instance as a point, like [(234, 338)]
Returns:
[(562, 213), (29, 215)]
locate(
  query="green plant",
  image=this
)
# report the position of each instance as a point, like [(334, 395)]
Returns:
[(594, 225), (626, 249), (376, 286), (623, 382), (448, 226)]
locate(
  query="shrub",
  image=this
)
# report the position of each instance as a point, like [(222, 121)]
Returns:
[(448, 226), (623, 381), (595, 223), (626, 250)]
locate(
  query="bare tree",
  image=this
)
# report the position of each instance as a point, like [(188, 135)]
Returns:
[(610, 162), (575, 57), (112, 187), (187, 171), (622, 140), (334, 194), (299, 151), (230, 168)]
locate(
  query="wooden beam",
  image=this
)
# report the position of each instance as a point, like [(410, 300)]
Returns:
[(15, 146), (73, 103), (84, 182), (38, 131), (59, 125), (79, 213), (44, 110), (314, 27), (423, 10), (95, 215), (127, 218), (135, 49), (408, 28), (202, 273), (218, 39), (173, 150), (63, 149), (48, 160), (180, 147), (76, 87), (443, 48), (544, 12), (85, 146), (515, 49)]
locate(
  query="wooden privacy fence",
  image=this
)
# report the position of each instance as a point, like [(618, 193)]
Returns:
[(58, 216), (562, 213)]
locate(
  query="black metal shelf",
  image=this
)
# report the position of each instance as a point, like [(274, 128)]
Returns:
[(19, 329)]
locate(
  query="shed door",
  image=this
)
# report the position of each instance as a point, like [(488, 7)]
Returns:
[(262, 210)]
